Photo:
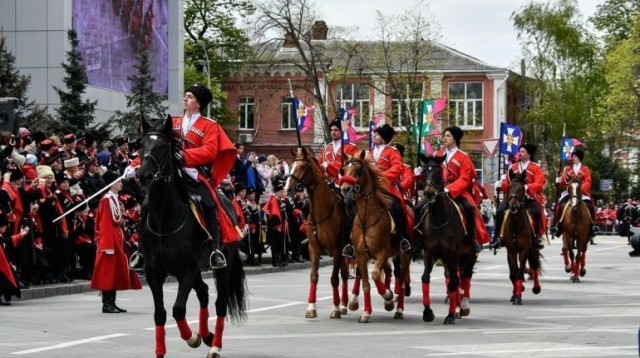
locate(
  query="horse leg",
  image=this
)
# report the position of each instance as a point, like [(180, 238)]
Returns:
[(583, 262), (313, 284), (466, 273), (452, 289), (185, 284), (565, 257), (405, 261), (155, 282), (335, 285), (344, 296), (366, 288), (513, 276), (520, 277), (222, 284), (382, 288), (575, 267), (427, 313), (202, 292), (355, 292)]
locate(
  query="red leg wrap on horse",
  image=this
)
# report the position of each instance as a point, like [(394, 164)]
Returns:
[(345, 292), (203, 322), (583, 259), (519, 285), (454, 296), (401, 298), (536, 278), (466, 286), (161, 348), (183, 327), (575, 269), (367, 302), (382, 288), (426, 300), (356, 286), (336, 296), (565, 256), (313, 287), (397, 286), (217, 335)]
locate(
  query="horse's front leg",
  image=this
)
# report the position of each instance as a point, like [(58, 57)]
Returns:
[(453, 291), (582, 256), (335, 285), (155, 282), (366, 288), (185, 284), (405, 261), (512, 260), (427, 313), (344, 295), (466, 272), (314, 256), (355, 291), (202, 292), (383, 289), (222, 299)]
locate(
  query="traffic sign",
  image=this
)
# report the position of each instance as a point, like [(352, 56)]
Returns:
[(490, 145)]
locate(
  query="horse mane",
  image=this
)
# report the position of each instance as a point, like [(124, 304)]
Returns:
[(383, 194)]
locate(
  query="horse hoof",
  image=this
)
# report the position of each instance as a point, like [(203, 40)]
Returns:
[(517, 301), (354, 305), (583, 271), (464, 312), (536, 290), (343, 309), (427, 315), (398, 315), (208, 340), (311, 314), (195, 341), (567, 269), (513, 299), (389, 306), (364, 318), (214, 353), (450, 319), (575, 279), (457, 315), (395, 298), (335, 314), (388, 295)]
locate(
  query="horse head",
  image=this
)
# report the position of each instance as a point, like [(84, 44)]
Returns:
[(351, 175), (516, 191), (432, 170), (575, 192), (159, 151), (304, 170)]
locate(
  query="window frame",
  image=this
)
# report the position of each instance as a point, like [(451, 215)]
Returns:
[(246, 109), (470, 110)]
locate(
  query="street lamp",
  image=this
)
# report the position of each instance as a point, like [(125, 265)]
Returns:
[(202, 63)]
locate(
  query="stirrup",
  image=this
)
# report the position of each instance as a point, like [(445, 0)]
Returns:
[(221, 260), (405, 246), (538, 244), (136, 261), (348, 251)]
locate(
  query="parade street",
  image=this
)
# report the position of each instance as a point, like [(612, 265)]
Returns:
[(598, 317)]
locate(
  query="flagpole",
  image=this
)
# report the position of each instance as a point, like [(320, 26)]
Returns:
[(557, 185), (294, 111)]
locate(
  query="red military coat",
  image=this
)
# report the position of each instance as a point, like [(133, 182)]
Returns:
[(335, 161), (535, 180), (238, 204), (583, 174), (408, 183), (16, 204), (111, 271)]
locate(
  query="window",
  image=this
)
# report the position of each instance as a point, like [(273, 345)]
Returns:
[(405, 101), (246, 112), (288, 120), (465, 104), (355, 95)]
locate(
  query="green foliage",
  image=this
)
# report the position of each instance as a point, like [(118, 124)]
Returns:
[(615, 19), (143, 102), (74, 112), (602, 167), (13, 84)]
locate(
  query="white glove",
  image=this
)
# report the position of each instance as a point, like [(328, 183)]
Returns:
[(324, 165), (129, 172), (498, 184), (558, 180), (417, 171)]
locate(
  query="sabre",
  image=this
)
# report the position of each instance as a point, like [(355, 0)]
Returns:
[(89, 198)]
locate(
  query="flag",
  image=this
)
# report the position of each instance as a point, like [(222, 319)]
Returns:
[(373, 124), (304, 115), (349, 133), (428, 123), (510, 139), (568, 145)]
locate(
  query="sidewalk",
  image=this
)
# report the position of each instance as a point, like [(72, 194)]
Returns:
[(79, 286)]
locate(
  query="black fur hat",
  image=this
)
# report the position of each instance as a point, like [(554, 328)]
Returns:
[(530, 148), (386, 132), (336, 123), (456, 132), (202, 93), (578, 153)]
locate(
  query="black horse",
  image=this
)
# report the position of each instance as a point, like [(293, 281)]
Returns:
[(441, 229), (174, 243)]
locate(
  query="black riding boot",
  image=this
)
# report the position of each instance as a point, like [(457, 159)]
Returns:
[(217, 259), (594, 228), (108, 297), (537, 240), (348, 250), (113, 302), (136, 261), (556, 229), (401, 226), (470, 216), (495, 240)]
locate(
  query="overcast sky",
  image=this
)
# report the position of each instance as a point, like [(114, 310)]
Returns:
[(479, 28)]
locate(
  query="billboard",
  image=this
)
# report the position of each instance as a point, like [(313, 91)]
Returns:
[(112, 32)]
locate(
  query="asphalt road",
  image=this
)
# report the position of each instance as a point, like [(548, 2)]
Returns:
[(598, 317)]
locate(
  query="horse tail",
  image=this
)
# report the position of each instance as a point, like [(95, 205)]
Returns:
[(237, 297), (535, 262)]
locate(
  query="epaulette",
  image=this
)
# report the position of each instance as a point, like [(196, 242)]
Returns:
[(455, 162)]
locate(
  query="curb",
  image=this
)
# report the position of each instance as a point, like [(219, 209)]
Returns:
[(80, 286)]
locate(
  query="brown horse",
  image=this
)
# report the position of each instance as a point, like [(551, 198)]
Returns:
[(576, 231), (371, 232), (518, 233), (326, 212), (442, 232)]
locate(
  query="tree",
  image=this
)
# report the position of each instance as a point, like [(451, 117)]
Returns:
[(615, 19), (143, 102), (73, 110), (13, 84)]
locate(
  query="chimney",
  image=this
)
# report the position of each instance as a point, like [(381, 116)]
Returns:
[(288, 41), (319, 30)]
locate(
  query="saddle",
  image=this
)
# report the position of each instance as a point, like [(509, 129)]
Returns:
[(506, 216), (196, 208), (459, 210)]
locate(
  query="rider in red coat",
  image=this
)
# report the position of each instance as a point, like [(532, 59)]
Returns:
[(581, 172), (534, 183), (208, 157), (331, 158)]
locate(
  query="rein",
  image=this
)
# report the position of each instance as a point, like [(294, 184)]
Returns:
[(184, 221), (160, 165)]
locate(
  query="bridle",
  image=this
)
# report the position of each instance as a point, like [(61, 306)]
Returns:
[(162, 165), (429, 182), (305, 170), (516, 196), (355, 180)]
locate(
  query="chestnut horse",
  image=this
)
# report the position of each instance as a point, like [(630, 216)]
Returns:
[(517, 233), (371, 232), (442, 232), (175, 244), (576, 231), (326, 213)]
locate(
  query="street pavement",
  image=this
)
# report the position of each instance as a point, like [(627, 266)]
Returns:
[(598, 317)]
